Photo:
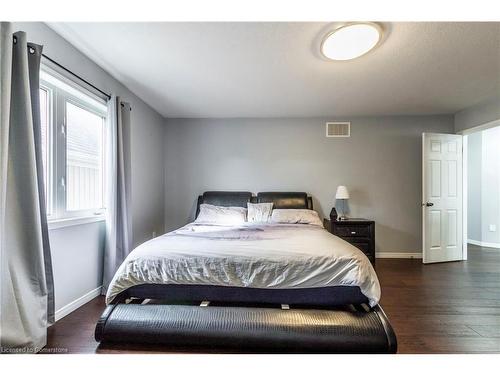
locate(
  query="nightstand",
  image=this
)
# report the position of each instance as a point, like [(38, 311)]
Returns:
[(358, 232)]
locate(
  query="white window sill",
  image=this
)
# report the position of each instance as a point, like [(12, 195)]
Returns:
[(63, 223)]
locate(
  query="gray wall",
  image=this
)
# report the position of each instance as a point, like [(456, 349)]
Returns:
[(477, 115), (380, 164), (77, 250), (474, 164), (77, 253)]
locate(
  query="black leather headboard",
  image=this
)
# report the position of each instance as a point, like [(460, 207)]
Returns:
[(280, 199), (286, 199), (224, 198)]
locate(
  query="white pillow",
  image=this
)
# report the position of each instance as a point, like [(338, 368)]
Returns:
[(296, 216), (259, 212), (221, 215)]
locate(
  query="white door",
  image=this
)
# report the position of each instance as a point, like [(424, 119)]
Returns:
[(442, 197)]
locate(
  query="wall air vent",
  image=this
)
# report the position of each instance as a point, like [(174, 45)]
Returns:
[(338, 129)]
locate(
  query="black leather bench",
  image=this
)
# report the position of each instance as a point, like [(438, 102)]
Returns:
[(350, 329)]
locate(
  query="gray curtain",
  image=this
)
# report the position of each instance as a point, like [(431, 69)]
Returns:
[(118, 223), (27, 288)]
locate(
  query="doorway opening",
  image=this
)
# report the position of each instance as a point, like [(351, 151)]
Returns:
[(461, 193), (483, 189)]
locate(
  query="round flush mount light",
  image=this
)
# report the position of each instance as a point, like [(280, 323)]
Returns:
[(351, 41)]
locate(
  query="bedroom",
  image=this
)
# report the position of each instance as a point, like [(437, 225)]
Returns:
[(261, 113)]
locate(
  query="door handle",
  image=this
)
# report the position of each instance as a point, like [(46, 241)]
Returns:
[(428, 204)]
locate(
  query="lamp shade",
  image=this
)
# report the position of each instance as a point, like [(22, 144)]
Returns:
[(342, 193)]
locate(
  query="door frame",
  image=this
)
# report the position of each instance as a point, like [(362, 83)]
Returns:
[(465, 133), (464, 191), (465, 194)]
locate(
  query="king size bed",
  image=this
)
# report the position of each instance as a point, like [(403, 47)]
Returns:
[(283, 285)]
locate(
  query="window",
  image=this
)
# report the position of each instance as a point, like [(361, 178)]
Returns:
[(73, 134)]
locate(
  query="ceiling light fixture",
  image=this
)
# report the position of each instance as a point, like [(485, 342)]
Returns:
[(351, 41)]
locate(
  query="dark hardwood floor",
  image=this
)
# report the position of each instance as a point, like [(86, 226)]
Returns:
[(435, 308)]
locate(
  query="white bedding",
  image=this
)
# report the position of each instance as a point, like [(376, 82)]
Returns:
[(280, 256)]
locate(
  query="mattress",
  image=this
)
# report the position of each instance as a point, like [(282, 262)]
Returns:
[(270, 256)]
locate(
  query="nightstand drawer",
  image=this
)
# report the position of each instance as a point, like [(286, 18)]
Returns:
[(352, 231), (358, 232), (365, 247)]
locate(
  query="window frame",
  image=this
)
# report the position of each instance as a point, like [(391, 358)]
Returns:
[(48, 177), (56, 188)]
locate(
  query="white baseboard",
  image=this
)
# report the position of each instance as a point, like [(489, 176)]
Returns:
[(398, 255), (474, 242), (484, 244), (72, 306)]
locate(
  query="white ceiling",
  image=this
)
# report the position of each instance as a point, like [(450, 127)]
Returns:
[(275, 70)]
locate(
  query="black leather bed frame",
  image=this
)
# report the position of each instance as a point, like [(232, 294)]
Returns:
[(334, 319)]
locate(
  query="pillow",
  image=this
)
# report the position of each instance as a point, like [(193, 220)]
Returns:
[(221, 215), (259, 212), (296, 216)]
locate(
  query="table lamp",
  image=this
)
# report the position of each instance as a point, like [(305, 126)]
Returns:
[(342, 194)]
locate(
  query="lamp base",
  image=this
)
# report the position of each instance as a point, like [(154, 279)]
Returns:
[(333, 214)]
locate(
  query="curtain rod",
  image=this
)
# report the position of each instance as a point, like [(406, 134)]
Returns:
[(76, 75)]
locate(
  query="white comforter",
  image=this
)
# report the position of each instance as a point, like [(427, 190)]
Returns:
[(258, 256)]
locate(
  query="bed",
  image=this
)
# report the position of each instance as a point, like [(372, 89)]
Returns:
[(270, 287)]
